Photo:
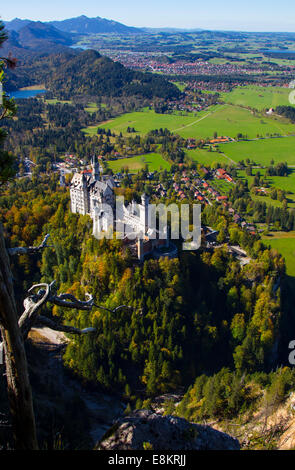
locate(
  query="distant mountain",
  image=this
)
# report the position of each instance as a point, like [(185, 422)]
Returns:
[(35, 34), (85, 25), (90, 73), (36, 38), (13, 39), (16, 24)]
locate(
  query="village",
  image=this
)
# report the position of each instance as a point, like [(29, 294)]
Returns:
[(156, 63), (183, 184)]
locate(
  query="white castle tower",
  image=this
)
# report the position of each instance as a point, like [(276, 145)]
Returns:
[(79, 194), (144, 211), (95, 168)]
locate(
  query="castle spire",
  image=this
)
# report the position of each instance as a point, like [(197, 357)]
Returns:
[(95, 168)]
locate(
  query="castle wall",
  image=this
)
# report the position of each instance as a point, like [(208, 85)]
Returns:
[(78, 201)]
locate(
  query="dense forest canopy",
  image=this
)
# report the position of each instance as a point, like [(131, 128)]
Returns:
[(189, 316), (93, 74), (89, 73)]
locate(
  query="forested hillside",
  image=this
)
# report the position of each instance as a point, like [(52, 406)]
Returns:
[(92, 74), (69, 74), (189, 316)]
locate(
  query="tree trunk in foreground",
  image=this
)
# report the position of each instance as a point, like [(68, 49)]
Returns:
[(18, 384)]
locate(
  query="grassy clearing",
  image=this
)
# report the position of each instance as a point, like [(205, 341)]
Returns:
[(286, 183), (145, 121), (204, 157), (222, 186), (262, 151), (180, 85), (91, 108), (286, 246), (226, 120), (55, 101), (257, 97), (154, 161), (268, 201)]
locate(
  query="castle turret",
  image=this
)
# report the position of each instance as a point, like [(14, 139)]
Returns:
[(95, 168), (62, 180), (144, 211)]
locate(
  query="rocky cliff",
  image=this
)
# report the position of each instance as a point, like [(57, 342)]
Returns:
[(163, 433)]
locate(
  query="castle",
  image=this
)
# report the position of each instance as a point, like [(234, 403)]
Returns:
[(92, 195), (87, 191)]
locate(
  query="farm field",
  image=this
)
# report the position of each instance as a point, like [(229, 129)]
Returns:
[(154, 160), (204, 157), (262, 151), (286, 246), (147, 120), (257, 97), (226, 120)]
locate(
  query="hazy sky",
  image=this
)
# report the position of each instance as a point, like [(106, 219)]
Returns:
[(250, 15)]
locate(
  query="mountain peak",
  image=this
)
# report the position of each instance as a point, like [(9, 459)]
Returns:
[(84, 25)]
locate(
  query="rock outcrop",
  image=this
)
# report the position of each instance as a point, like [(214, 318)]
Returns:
[(163, 433)]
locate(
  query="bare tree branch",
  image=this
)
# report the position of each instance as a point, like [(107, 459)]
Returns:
[(34, 302), (65, 328), (69, 301), (115, 309), (22, 250), (14, 331)]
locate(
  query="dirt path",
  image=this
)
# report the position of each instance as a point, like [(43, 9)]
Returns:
[(191, 124), (232, 161)]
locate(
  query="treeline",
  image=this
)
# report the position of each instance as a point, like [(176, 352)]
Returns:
[(286, 111), (281, 169), (39, 123), (228, 394)]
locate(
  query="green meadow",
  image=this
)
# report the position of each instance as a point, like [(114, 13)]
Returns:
[(154, 161), (262, 151), (222, 186), (256, 97), (180, 85), (147, 120), (204, 157), (286, 246), (286, 183), (226, 120), (55, 101), (91, 108)]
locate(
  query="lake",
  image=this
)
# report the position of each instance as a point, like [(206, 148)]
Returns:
[(20, 94), (278, 51)]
